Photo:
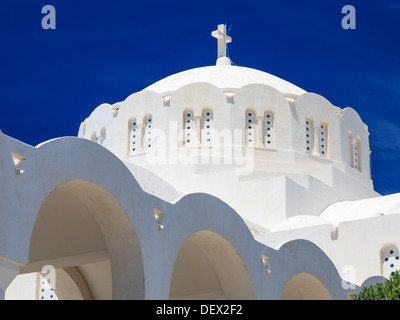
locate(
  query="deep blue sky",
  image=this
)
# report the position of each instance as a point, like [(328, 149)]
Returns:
[(103, 51)]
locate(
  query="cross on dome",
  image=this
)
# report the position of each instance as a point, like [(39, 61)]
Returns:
[(223, 39)]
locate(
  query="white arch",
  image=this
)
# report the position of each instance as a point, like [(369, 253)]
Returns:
[(209, 267), (305, 286), (93, 176), (212, 222)]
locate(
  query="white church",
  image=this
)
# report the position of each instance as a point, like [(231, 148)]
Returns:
[(219, 182)]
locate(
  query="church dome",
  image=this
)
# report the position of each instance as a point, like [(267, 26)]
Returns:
[(224, 76), (245, 127)]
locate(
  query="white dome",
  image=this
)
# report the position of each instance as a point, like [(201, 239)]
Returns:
[(362, 209), (224, 77)]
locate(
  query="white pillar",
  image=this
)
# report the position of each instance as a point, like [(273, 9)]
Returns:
[(260, 143)]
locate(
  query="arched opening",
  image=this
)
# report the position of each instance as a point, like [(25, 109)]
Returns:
[(207, 125), (351, 141), (269, 129), (133, 137), (208, 267), (323, 139), (189, 127), (93, 136), (251, 127), (305, 286), (147, 133), (309, 135), (390, 260), (84, 235), (103, 136), (357, 153)]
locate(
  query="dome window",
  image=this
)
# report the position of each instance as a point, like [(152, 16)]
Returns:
[(133, 137), (322, 139), (357, 153), (250, 124), (206, 127), (189, 128), (103, 136), (147, 136), (93, 137), (268, 126), (309, 135)]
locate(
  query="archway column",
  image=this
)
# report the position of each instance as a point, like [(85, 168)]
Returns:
[(8, 271)]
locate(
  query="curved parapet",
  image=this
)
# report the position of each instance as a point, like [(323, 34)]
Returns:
[(303, 271), (255, 116), (223, 77), (201, 230)]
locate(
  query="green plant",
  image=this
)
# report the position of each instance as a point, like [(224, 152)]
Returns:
[(389, 290)]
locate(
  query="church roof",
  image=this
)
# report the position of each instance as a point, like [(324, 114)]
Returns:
[(224, 76)]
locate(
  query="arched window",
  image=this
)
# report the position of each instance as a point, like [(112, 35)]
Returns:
[(389, 260), (189, 126), (250, 126), (103, 136), (206, 127), (268, 129), (323, 139), (93, 137), (357, 153), (309, 135), (147, 133), (134, 137), (351, 142)]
